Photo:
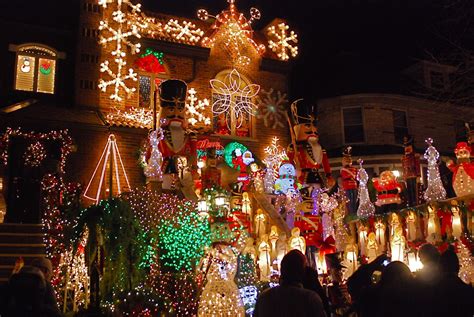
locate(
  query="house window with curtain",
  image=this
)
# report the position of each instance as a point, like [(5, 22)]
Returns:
[(353, 123), (151, 72), (400, 125), (35, 68)]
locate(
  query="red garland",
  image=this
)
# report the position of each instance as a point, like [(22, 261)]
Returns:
[(150, 64)]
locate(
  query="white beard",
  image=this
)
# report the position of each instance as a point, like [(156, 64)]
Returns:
[(177, 136), (317, 150)]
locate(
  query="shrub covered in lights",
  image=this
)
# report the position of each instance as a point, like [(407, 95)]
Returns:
[(181, 240)]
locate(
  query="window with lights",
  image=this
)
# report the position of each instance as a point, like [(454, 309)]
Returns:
[(151, 72), (35, 68), (235, 98)]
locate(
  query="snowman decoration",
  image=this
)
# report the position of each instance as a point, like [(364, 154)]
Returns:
[(286, 178), (25, 68)]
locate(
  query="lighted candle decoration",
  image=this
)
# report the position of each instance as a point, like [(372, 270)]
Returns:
[(414, 262), (363, 240), (432, 226)]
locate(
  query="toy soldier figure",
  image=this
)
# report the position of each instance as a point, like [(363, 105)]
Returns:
[(411, 171), (349, 180), (177, 142), (310, 158)]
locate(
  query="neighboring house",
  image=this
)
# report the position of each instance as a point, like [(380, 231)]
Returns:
[(375, 124)]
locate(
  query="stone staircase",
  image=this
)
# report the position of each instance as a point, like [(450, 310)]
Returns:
[(25, 240), (263, 202)]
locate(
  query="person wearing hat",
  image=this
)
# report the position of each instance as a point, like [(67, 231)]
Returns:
[(463, 171), (411, 171), (337, 289), (349, 179), (177, 142), (290, 298), (30, 292), (310, 158)]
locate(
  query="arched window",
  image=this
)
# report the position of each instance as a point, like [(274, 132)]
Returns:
[(151, 72), (35, 68), (233, 104)]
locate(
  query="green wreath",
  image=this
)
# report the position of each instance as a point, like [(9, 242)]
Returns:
[(229, 151)]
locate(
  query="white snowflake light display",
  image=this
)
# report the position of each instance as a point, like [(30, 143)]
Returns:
[(195, 109), (120, 32), (185, 32), (435, 190), (366, 208), (272, 108), (233, 95), (282, 43)]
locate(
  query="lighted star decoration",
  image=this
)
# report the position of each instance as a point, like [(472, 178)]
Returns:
[(121, 30), (235, 30), (196, 109), (233, 95), (185, 32), (272, 108), (282, 41)]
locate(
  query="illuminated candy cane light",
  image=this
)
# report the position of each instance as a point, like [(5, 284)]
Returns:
[(110, 156)]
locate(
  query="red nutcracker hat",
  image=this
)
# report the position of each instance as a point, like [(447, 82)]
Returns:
[(462, 146)]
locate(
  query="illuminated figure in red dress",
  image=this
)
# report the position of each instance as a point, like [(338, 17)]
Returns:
[(388, 191), (310, 158), (463, 171), (177, 143)]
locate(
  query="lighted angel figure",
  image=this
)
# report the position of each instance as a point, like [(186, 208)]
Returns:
[(372, 247), (397, 245), (264, 259), (235, 96), (296, 241)]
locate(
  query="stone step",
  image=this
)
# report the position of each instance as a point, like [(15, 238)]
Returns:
[(11, 237), (21, 248), (10, 259), (21, 228)]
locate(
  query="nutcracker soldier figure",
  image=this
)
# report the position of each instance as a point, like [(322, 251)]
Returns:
[(463, 171), (310, 158), (411, 171), (349, 180), (177, 142)]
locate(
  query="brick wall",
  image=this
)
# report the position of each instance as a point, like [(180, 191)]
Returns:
[(425, 119)]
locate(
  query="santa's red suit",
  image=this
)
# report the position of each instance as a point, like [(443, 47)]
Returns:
[(388, 189), (463, 171)]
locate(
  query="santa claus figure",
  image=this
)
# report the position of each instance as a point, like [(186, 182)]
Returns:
[(349, 180), (463, 171), (388, 191), (310, 158), (411, 171), (178, 142)]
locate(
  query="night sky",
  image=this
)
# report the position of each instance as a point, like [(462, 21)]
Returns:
[(346, 46)]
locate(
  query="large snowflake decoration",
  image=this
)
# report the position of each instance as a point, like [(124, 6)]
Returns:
[(234, 96), (274, 154), (120, 34), (282, 43), (195, 109), (272, 108), (186, 32)]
